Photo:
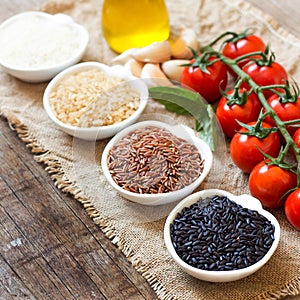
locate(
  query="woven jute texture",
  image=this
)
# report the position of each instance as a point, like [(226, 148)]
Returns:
[(138, 230)]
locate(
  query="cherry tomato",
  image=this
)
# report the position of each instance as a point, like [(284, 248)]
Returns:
[(285, 111), (296, 137), (292, 208), (244, 149), (206, 84), (266, 75), (228, 114), (244, 45), (269, 184)]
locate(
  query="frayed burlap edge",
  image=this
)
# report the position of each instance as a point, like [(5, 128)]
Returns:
[(55, 170), (57, 174), (289, 289)]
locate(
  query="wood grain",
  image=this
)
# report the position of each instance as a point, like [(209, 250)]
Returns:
[(286, 13), (49, 246)]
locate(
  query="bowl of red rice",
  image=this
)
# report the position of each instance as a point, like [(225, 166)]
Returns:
[(154, 163), (94, 101)]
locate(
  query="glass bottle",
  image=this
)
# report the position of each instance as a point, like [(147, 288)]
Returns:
[(134, 23)]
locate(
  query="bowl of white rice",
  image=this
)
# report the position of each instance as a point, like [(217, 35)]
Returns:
[(36, 46), (92, 101)]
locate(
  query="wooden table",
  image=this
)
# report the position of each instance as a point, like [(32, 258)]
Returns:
[(49, 246)]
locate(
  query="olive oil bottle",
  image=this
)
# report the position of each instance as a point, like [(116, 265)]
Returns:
[(131, 24)]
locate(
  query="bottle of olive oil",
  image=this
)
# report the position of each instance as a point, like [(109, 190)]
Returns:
[(134, 23)]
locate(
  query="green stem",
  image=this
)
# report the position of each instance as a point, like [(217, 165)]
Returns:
[(291, 122), (268, 110), (221, 37), (274, 86), (233, 39), (257, 53)]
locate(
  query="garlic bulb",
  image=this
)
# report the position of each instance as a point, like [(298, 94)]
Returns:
[(154, 76), (173, 69), (124, 57), (135, 67), (157, 52), (180, 47)]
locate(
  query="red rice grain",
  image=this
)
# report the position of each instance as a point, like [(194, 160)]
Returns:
[(152, 160)]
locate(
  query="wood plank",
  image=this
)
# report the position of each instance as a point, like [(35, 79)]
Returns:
[(11, 286), (49, 246), (19, 254), (61, 227), (42, 245), (286, 13)]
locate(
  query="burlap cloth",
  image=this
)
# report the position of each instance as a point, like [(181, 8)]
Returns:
[(138, 230)]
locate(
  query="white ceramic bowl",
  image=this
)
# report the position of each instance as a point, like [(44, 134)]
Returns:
[(220, 276), (181, 131), (45, 73), (102, 132)]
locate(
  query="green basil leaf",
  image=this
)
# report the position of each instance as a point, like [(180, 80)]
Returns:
[(172, 107), (186, 102), (210, 129)]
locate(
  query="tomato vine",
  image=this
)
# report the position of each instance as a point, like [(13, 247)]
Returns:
[(245, 109), (283, 90)]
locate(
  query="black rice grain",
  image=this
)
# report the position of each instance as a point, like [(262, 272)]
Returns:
[(218, 234)]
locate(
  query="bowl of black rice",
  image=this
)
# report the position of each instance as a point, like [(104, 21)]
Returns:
[(216, 236)]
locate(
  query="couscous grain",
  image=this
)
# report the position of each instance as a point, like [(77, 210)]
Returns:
[(91, 98)]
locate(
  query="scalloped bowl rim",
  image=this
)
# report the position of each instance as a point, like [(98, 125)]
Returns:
[(115, 70), (161, 198), (220, 276)]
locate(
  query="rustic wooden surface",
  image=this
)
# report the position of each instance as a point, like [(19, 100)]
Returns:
[(49, 247)]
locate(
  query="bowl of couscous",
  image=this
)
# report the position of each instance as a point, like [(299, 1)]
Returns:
[(94, 101)]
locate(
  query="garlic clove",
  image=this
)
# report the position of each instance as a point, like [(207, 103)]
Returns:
[(154, 76), (135, 67), (157, 52), (124, 57), (180, 47), (173, 69)]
